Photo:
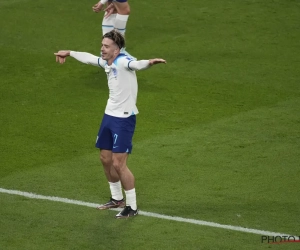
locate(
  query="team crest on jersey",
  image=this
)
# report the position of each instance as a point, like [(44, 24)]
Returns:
[(114, 71), (111, 72)]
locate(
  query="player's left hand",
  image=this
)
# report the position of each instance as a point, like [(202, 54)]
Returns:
[(110, 9)]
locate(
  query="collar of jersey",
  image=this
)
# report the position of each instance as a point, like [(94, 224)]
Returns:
[(119, 56)]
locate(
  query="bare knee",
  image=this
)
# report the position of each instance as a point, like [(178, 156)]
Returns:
[(106, 158), (119, 162), (117, 165), (122, 8), (126, 11)]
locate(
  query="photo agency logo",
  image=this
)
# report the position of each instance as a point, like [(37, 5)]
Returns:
[(280, 239)]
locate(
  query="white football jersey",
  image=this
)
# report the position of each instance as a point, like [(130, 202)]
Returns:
[(122, 81), (123, 87)]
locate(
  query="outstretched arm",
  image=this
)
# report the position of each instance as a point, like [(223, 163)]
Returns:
[(144, 64), (83, 57)]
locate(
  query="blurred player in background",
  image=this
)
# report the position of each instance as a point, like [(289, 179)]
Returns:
[(116, 15)]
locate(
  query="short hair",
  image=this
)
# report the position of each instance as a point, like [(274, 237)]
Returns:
[(117, 37)]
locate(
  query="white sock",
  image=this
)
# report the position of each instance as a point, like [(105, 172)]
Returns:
[(108, 23), (120, 23), (131, 198), (116, 190)]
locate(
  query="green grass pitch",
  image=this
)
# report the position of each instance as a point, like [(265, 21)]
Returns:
[(217, 138)]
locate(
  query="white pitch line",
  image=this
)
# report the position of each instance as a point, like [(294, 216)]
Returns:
[(149, 214)]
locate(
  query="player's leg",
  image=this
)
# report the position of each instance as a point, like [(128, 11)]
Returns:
[(106, 160), (122, 146), (108, 23), (120, 165), (113, 181), (104, 142), (123, 10), (128, 183)]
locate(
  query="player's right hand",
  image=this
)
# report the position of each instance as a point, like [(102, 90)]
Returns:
[(61, 56), (156, 61), (60, 59)]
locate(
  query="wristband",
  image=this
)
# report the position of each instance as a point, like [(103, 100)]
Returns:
[(103, 1)]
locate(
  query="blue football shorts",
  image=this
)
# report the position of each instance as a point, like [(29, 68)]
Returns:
[(120, 1), (116, 134)]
